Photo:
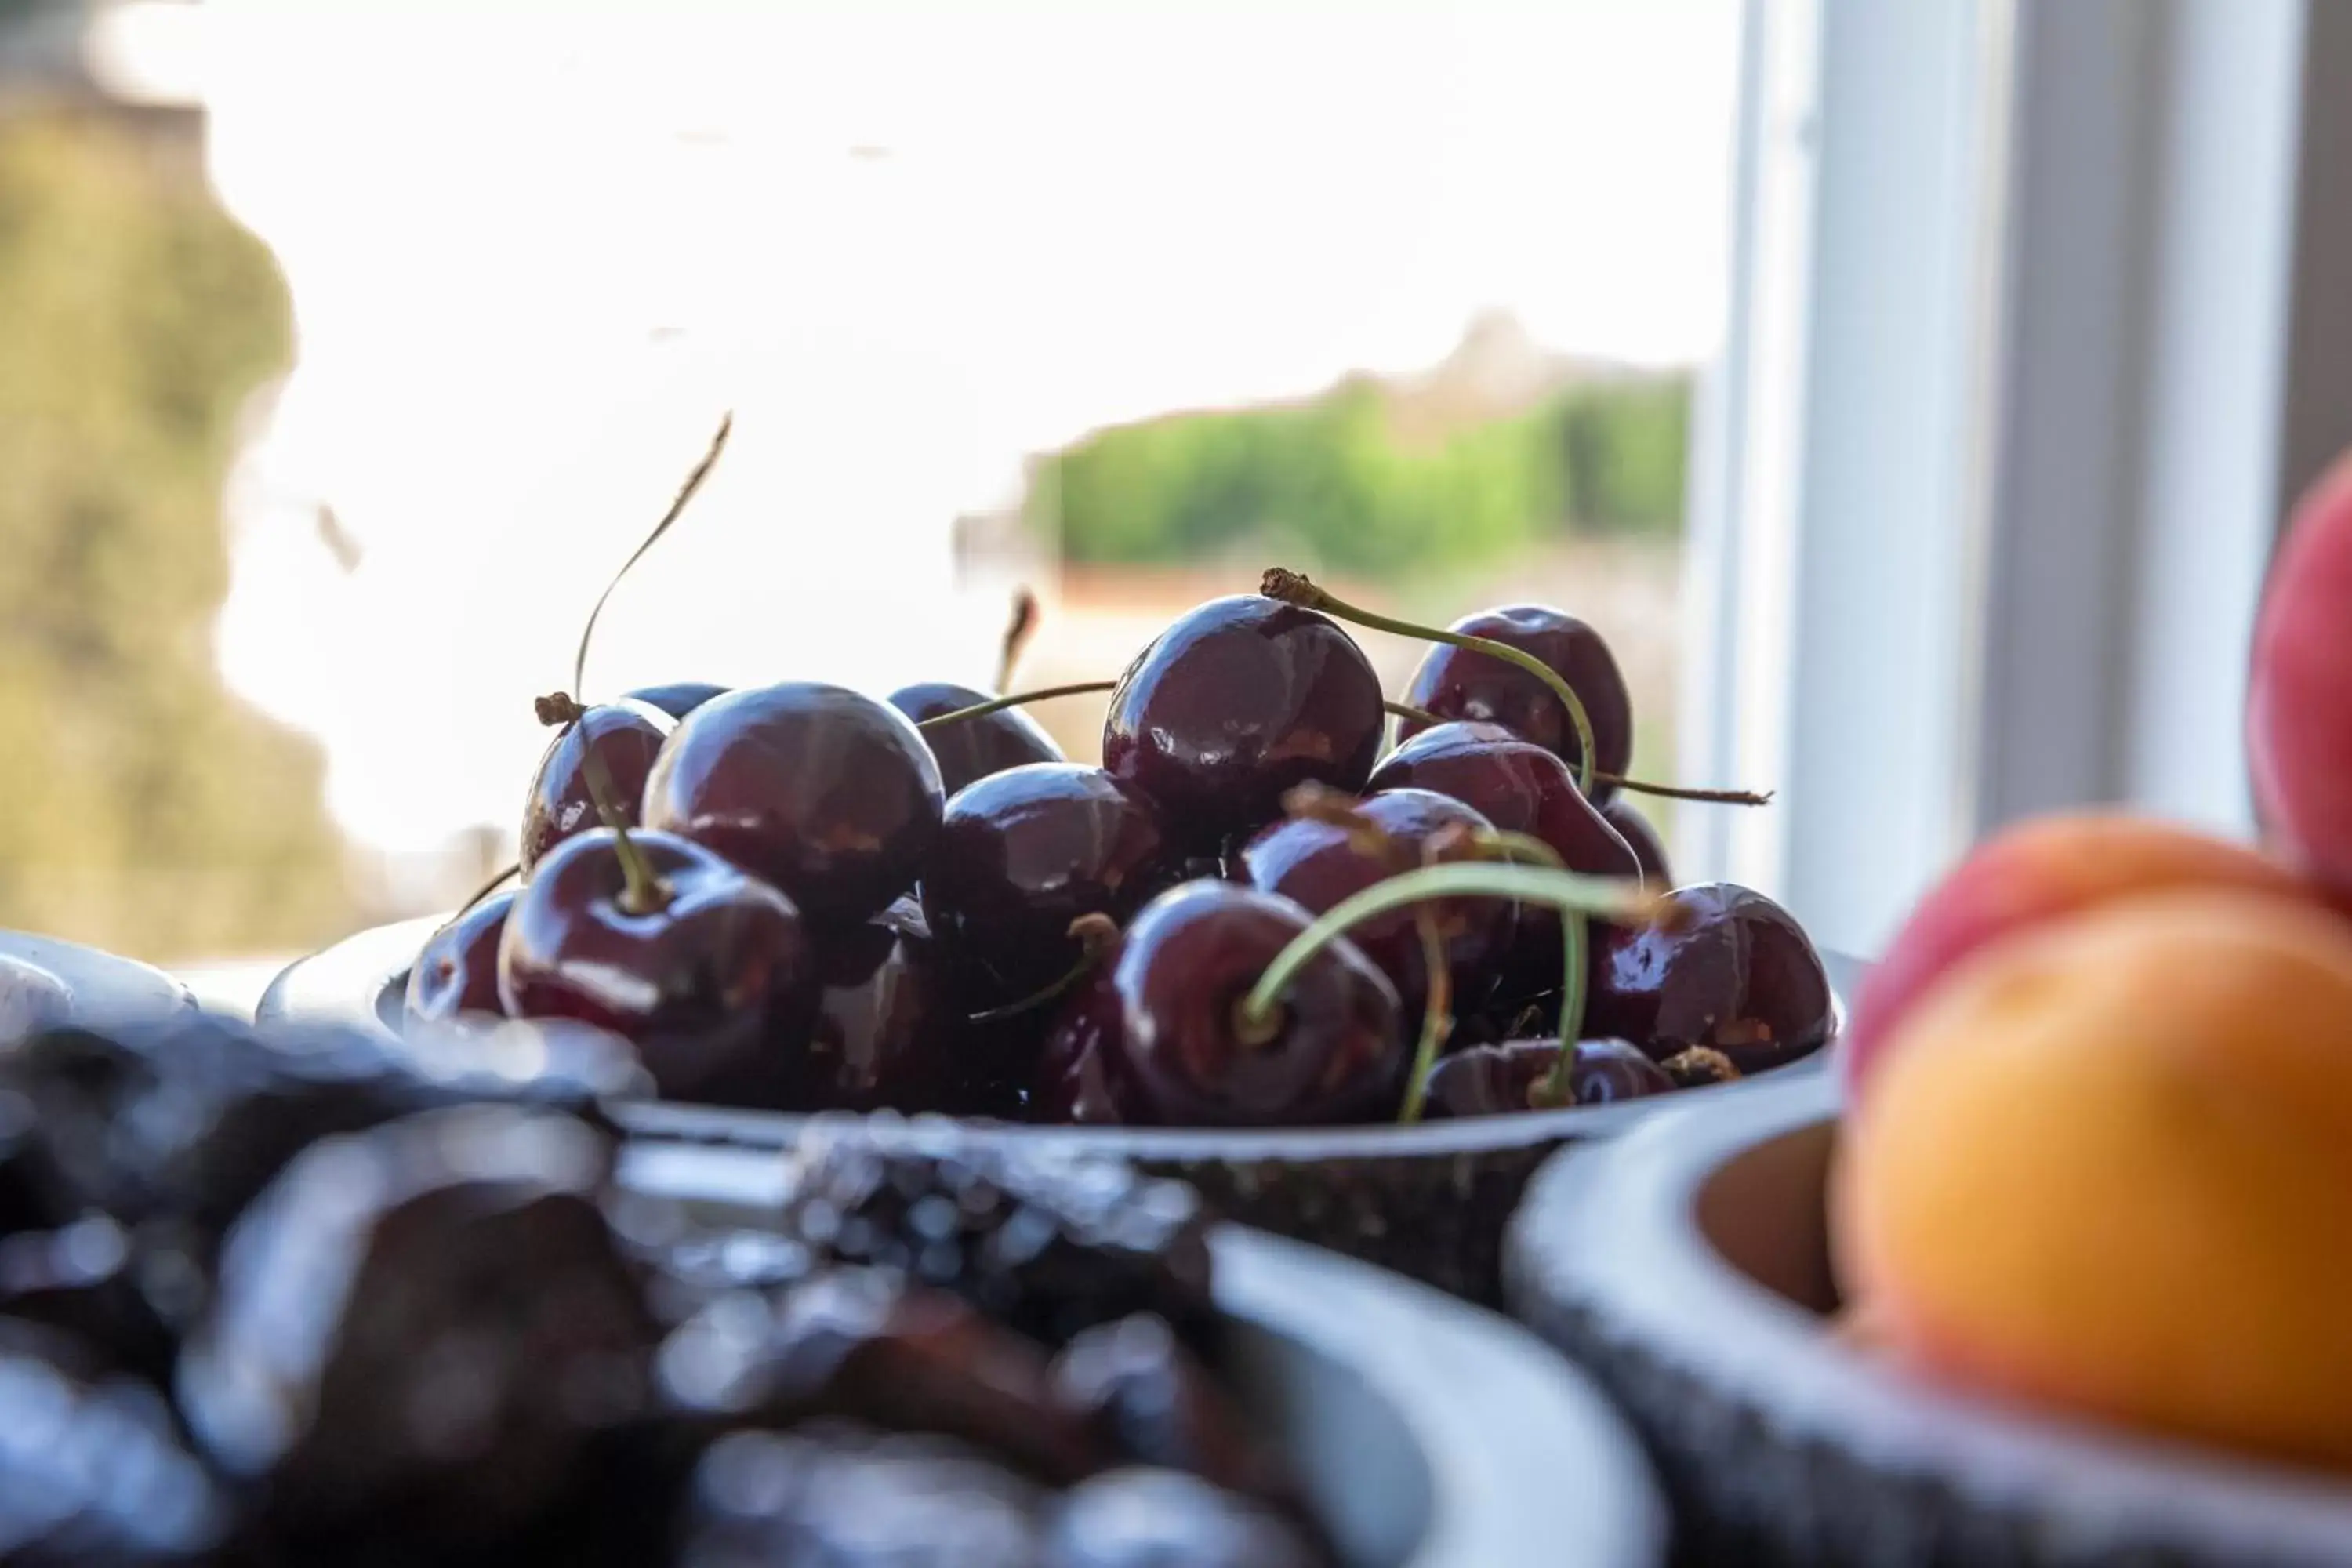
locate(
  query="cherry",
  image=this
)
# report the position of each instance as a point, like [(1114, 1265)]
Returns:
[(711, 976), (973, 748), (1159, 1034), (1240, 700), (1489, 1080), (678, 698), (1317, 860), (458, 969), (1725, 968), (1462, 683), (828, 795), (1520, 787), (626, 736), (1021, 854), (888, 1033), (1642, 838)]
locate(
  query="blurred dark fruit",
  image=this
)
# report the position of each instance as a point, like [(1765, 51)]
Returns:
[(1024, 853), (457, 971), (626, 736), (679, 699), (1641, 837), (1319, 862), (828, 796), (1456, 683), (836, 1495), (85, 1279), (1048, 1242), (1162, 1519), (716, 987), (972, 749), (421, 1332), (93, 1470), (1233, 705), (1145, 1397), (1161, 1021), (858, 1344), (1725, 968)]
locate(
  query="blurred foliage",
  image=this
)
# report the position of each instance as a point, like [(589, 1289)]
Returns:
[(141, 806), (1354, 481)]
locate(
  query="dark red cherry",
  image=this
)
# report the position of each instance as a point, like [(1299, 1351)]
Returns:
[(1318, 863), (457, 970), (1725, 968), (1162, 1021), (1489, 1080), (1642, 838), (828, 795), (679, 699), (1233, 705), (626, 736), (1457, 683), (715, 987), (1021, 854), (1520, 787), (971, 749), (889, 1035)]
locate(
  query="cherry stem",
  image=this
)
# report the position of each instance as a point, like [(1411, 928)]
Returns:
[(998, 704), (1293, 588), (1639, 786), (1096, 935), (677, 507), (1436, 1015), (1018, 633), (643, 892), (486, 888), (1621, 899), (1573, 937)]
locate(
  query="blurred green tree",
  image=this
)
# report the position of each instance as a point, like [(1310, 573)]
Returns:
[(141, 806), (1353, 481)]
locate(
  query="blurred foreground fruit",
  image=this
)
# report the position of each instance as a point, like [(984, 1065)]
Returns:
[(2108, 1169), (2039, 870), (2299, 688)]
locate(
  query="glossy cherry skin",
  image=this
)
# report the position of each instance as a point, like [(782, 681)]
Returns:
[(715, 988), (1649, 849), (888, 1032), (458, 969), (1021, 854), (1456, 683), (626, 736), (828, 796), (1520, 787), (1236, 703), (1153, 1037), (971, 749), (1491, 1081), (678, 698), (1727, 968), (1317, 864)]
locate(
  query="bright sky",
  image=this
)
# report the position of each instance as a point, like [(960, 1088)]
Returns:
[(535, 250)]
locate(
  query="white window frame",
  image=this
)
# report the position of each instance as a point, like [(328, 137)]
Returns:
[(2041, 314)]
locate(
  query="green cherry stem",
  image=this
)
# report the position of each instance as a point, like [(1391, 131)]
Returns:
[(1436, 1016), (1019, 628), (1639, 786), (1096, 936), (486, 888), (1574, 936), (643, 892), (1293, 588), (998, 704), (1620, 899)]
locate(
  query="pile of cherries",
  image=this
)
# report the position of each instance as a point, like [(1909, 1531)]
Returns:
[(797, 897), (276, 1298)]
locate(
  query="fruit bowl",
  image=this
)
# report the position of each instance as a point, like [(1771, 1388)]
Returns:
[(1430, 1200), (1360, 1377), (46, 980), (1687, 1264)]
